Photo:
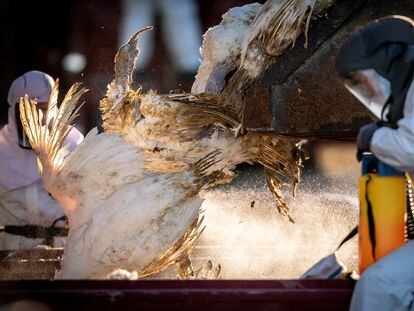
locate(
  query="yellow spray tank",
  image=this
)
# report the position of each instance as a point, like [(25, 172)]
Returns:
[(383, 205)]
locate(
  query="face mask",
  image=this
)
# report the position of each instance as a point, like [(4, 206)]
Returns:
[(23, 141), (371, 89)]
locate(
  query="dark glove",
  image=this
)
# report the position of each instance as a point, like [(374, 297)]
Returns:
[(365, 136)]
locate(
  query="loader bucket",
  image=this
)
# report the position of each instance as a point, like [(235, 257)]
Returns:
[(301, 94)]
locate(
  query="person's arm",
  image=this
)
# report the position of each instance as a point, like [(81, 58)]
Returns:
[(395, 147)]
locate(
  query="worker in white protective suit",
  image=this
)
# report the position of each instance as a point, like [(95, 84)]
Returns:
[(377, 65), (23, 198)]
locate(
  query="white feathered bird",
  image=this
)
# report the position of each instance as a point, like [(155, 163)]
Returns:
[(120, 215)]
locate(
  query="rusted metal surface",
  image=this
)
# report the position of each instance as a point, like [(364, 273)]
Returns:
[(30, 264), (312, 103), (183, 295), (258, 113), (307, 99)]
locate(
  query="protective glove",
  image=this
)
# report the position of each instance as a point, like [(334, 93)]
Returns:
[(365, 136)]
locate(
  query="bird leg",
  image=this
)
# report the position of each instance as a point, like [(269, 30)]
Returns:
[(207, 272), (184, 268)]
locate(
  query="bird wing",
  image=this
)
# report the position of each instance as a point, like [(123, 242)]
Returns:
[(47, 138), (276, 26), (183, 116), (184, 127)]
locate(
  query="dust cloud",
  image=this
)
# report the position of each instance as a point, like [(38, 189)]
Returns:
[(251, 240)]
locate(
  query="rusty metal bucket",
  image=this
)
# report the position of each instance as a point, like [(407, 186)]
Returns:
[(301, 95)]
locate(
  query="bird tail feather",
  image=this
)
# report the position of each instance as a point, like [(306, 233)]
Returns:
[(47, 136), (180, 250), (282, 163)]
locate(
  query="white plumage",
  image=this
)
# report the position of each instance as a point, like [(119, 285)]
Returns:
[(133, 227), (120, 215)]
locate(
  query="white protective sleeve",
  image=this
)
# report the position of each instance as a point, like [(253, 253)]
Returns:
[(395, 147)]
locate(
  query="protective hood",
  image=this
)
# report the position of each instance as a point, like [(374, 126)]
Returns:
[(36, 84), (387, 46)]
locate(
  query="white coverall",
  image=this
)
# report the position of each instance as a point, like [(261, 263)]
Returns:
[(23, 198), (389, 283)]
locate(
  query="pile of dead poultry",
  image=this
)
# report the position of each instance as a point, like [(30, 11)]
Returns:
[(131, 192)]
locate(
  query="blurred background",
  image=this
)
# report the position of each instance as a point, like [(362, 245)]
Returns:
[(77, 40)]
